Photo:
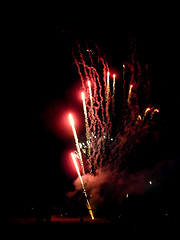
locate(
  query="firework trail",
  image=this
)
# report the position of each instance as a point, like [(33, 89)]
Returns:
[(76, 141), (155, 110), (124, 82), (108, 88), (146, 111), (107, 147), (91, 101), (86, 124), (113, 95), (82, 184), (130, 91)]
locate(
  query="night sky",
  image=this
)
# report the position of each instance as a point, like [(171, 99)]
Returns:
[(41, 85)]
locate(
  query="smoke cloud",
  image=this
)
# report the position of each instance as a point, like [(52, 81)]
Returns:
[(110, 185)]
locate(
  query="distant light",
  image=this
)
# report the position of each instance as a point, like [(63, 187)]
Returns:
[(111, 139), (150, 182), (127, 195)]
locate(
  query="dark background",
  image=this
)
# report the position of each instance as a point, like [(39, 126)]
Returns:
[(39, 79)]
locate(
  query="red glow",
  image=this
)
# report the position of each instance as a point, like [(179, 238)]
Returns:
[(55, 119)]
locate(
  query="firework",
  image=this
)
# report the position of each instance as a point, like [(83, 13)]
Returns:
[(86, 123), (91, 100), (139, 118), (129, 94), (107, 148), (113, 96), (76, 141), (146, 111), (82, 184), (107, 95), (78, 172), (124, 66), (96, 110), (154, 110), (108, 123), (108, 89)]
